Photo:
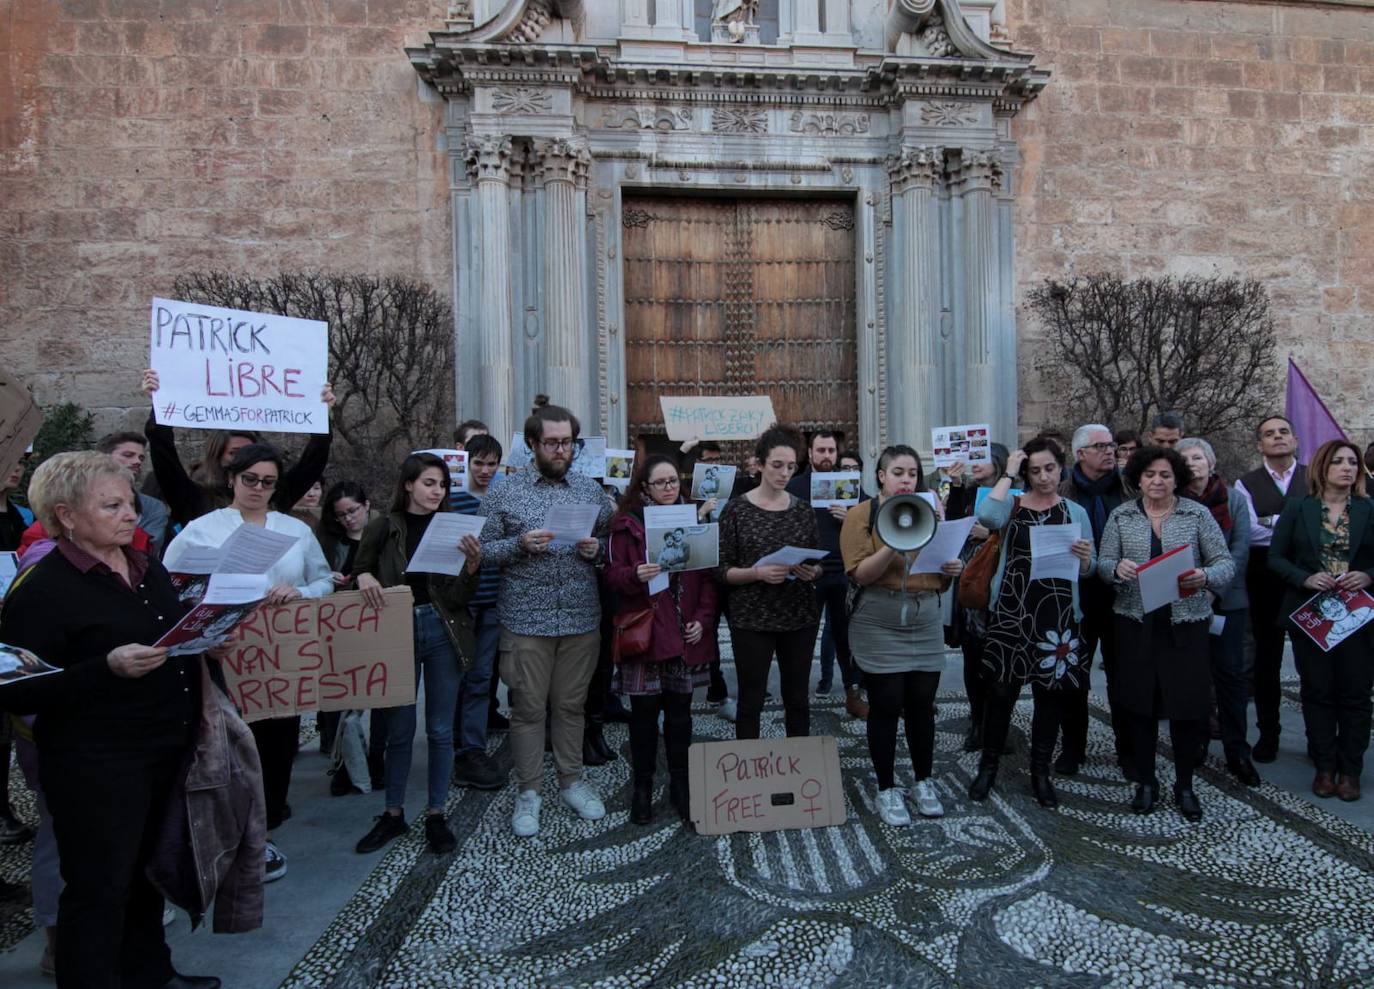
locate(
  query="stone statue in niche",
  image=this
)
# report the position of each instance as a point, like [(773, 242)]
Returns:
[(732, 22)]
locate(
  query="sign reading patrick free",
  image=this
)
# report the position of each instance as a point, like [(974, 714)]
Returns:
[(767, 784)]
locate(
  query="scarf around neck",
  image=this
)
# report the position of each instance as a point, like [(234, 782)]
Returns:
[(1215, 497), (1095, 496)]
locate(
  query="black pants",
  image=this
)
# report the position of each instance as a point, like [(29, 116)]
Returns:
[(106, 810), (1098, 631), (1335, 700), (677, 733), (717, 691), (831, 590), (754, 653), (1266, 615), (975, 687), (909, 697), (1185, 735), (278, 739), (1046, 717)]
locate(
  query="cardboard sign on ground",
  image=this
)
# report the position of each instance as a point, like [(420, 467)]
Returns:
[(333, 653), (20, 418), (767, 784)]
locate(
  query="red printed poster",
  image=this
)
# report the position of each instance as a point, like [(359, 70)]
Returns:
[(1331, 617)]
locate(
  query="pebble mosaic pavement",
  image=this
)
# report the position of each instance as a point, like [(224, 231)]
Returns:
[(1268, 891)]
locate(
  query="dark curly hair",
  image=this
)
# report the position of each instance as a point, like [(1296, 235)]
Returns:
[(1041, 444), (1145, 456), (776, 436)]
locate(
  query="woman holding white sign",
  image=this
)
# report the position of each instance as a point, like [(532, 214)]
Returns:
[(444, 642), (678, 659), (1325, 543), (1162, 664), (898, 640), (253, 475), (1033, 621)]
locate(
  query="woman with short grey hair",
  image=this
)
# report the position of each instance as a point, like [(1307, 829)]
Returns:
[(1230, 604)]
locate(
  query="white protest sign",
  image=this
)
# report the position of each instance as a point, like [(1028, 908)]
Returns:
[(967, 444), (226, 368), (726, 417)]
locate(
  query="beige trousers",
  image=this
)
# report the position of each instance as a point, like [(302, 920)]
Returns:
[(547, 670)]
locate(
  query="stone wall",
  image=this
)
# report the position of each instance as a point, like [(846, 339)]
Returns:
[(1184, 136), (140, 139)]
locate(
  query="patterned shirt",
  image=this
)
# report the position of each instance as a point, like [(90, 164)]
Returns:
[(1336, 542), (747, 533), (553, 593), (489, 577)]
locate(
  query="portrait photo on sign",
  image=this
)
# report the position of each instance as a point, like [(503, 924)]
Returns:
[(1331, 617), (684, 547), (620, 464), (835, 488), (712, 481), (589, 456), (20, 664), (966, 444)]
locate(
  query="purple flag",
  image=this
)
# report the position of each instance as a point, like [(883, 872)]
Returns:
[(1312, 420)]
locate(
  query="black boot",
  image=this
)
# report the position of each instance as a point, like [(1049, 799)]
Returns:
[(987, 774), (1041, 787), (642, 801), (680, 796), (591, 755), (677, 738), (598, 739), (973, 741)]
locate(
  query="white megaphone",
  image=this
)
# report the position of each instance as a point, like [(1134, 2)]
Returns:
[(905, 522)]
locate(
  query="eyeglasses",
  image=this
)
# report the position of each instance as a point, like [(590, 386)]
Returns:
[(552, 445), (348, 513), (253, 481), (663, 483), (1102, 447)]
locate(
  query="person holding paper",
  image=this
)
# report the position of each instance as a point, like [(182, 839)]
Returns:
[(1230, 678), (207, 486), (114, 728), (970, 627), (1162, 670), (898, 640), (253, 476), (550, 610), (773, 607), (444, 643), (1325, 542), (718, 692), (1034, 626), (679, 656)]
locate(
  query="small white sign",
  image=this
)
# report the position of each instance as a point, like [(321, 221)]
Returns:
[(971, 444)]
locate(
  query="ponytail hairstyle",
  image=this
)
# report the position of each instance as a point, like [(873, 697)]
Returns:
[(891, 453), (544, 412)]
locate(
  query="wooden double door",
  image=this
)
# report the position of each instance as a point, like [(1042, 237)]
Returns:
[(741, 297)]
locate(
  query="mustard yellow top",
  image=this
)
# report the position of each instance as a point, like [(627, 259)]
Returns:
[(857, 544)]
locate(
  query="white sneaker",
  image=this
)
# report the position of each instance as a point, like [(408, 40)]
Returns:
[(525, 821), (584, 801), (274, 864), (892, 808), (923, 795), (168, 915), (728, 709)]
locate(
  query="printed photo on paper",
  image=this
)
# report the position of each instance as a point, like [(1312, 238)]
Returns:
[(684, 547), (835, 488), (20, 664), (1331, 617), (970, 444), (620, 464)]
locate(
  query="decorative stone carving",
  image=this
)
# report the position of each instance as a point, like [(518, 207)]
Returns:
[(522, 99), (647, 118), (488, 157), (531, 26), (829, 124), (840, 219), (563, 159), (633, 216), (921, 166), (977, 170), (949, 113), (732, 22), (739, 120), (936, 39)]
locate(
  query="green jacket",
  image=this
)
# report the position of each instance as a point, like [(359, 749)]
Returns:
[(1295, 553), (382, 553)]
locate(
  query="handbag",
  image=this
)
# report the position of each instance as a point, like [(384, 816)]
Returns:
[(975, 583), (631, 633)]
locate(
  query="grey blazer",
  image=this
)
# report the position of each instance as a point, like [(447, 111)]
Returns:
[(1127, 537), (1234, 597)]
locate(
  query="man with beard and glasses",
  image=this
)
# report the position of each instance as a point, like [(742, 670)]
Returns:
[(822, 455), (550, 611)]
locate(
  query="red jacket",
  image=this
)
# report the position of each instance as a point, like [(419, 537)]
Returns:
[(697, 589), (142, 541)]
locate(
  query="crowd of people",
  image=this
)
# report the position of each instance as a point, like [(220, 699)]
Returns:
[(120, 744)]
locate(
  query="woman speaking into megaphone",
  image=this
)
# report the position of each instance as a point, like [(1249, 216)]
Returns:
[(895, 630)]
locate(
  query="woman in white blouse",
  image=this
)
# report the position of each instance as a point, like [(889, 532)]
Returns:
[(302, 572)]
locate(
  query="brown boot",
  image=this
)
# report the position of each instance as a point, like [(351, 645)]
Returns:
[(855, 704), (1325, 784), (1348, 788)]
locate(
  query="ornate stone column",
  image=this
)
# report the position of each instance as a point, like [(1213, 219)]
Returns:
[(488, 161), (562, 165), (915, 389), (978, 174)]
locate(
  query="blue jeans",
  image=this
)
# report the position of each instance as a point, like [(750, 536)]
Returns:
[(436, 660), (1231, 683), (474, 690)]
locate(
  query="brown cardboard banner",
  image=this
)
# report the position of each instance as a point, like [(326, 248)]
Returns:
[(334, 653), (768, 784), (20, 418)]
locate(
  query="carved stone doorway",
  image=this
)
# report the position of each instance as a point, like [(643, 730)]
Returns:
[(741, 297)]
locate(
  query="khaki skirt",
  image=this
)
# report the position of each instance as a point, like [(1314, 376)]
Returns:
[(883, 643)]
